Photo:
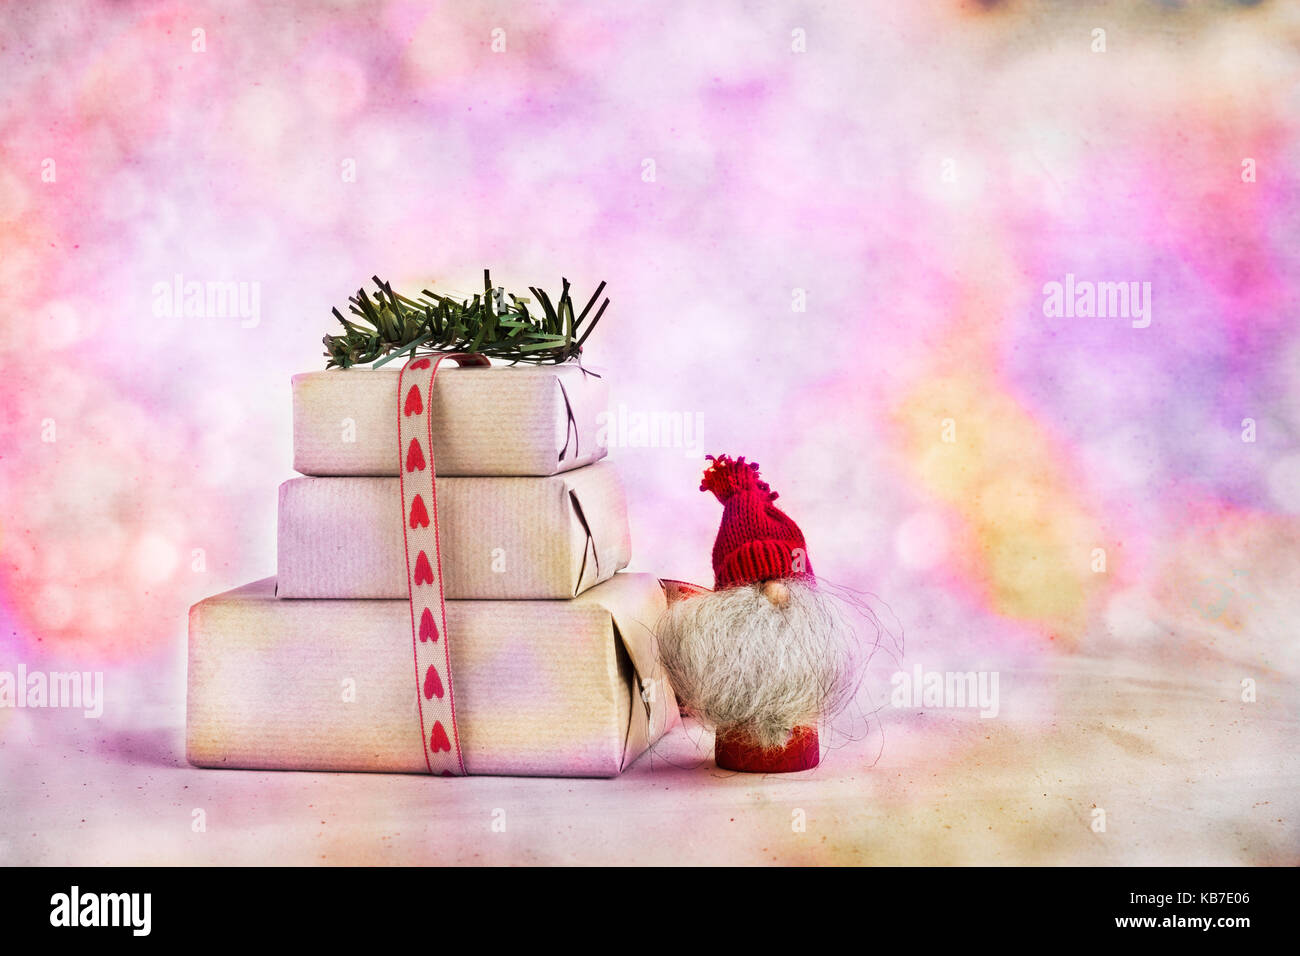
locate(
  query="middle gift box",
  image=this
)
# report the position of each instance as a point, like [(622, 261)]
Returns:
[(501, 538)]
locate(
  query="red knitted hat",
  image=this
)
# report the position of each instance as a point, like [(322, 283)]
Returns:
[(757, 541)]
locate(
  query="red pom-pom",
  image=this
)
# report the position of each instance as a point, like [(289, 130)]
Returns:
[(726, 476)]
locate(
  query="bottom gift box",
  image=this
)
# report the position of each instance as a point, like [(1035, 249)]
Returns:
[(569, 688)]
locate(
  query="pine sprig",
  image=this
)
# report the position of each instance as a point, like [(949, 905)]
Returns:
[(386, 324)]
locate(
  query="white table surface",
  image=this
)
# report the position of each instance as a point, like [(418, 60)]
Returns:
[(1185, 772)]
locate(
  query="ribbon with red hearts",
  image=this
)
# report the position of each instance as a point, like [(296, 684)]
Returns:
[(434, 689)]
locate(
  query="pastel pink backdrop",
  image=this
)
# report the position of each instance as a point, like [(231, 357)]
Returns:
[(918, 170)]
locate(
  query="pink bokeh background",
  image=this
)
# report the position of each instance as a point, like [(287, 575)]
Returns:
[(914, 172)]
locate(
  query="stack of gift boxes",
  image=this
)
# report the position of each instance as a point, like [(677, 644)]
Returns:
[(551, 647)]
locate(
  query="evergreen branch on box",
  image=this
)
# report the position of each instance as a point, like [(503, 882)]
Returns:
[(386, 324)]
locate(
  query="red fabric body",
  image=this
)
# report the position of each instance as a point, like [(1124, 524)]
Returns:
[(736, 751)]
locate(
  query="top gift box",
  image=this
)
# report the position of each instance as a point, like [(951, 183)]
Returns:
[(503, 420)]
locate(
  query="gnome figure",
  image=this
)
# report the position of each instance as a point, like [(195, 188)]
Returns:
[(766, 656)]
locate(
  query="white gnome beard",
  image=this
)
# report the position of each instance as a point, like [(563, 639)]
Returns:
[(738, 660)]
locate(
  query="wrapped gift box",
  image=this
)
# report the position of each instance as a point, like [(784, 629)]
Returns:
[(518, 538), (551, 688), (504, 420)]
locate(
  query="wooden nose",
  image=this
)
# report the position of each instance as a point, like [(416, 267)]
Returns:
[(777, 593)]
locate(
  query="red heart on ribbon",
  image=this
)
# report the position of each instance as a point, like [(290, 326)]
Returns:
[(414, 457), (414, 404), (432, 684), (423, 573), (422, 363), (419, 517), (439, 739), (428, 630)]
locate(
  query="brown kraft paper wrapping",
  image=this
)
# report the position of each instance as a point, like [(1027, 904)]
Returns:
[(545, 688), (503, 538), (503, 420)]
